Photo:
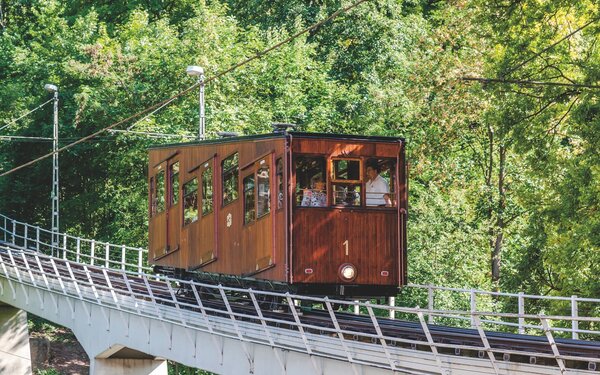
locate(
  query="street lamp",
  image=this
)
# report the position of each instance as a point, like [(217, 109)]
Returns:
[(54, 194), (199, 72)]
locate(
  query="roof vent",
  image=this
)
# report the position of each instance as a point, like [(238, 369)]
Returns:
[(282, 127), (227, 134)]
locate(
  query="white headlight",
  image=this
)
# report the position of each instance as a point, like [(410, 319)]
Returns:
[(348, 272)]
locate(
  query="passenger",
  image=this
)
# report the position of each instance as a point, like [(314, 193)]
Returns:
[(315, 196), (377, 187)]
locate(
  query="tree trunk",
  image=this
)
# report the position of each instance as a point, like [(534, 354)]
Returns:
[(498, 228), (488, 183), (1, 15)]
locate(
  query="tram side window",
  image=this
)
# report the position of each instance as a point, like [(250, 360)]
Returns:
[(311, 189), (207, 192), (152, 197), (174, 183), (380, 182), (263, 206), (249, 211), (230, 171), (279, 171), (190, 201), (346, 181), (160, 192)]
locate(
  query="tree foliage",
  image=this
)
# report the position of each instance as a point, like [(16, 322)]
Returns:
[(504, 177)]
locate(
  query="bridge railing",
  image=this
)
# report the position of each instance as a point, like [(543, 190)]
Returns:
[(481, 301), (254, 317), (98, 253), (80, 250)]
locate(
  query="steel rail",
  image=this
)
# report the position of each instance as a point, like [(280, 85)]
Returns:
[(162, 282)]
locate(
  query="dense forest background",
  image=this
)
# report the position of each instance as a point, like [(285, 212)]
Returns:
[(504, 173)]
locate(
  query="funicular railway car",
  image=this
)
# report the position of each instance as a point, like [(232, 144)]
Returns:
[(318, 214)]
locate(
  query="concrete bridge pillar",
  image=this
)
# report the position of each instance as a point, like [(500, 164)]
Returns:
[(119, 360), (124, 366), (15, 355)]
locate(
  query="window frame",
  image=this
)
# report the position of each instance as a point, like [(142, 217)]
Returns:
[(245, 198), (266, 167), (153, 196), (158, 196), (235, 171), (183, 211), (298, 192), (392, 181), (207, 166), (361, 187), (280, 203), (334, 180), (174, 194)]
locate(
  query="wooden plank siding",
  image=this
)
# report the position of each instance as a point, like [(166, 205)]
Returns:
[(318, 244), (374, 235), (237, 249)]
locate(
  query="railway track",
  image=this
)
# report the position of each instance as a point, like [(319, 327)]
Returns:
[(280, 311)]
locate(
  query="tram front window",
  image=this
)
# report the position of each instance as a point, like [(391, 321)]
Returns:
[(346, 181), (311, 189), (380, 182), (346, 195)]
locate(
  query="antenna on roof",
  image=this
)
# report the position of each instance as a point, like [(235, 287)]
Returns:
[(282, 127), (227, 134)]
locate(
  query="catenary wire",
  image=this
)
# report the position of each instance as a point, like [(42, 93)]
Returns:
[(192, 87), (152, 134), (151, 113), (515, 68), (28, 113), (141, 137), (529, 83), (11, 137)]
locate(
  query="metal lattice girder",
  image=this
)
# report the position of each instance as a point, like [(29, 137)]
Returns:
[(548, 333)]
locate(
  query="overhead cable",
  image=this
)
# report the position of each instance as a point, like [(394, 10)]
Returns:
[(153, 134), (28, 113), (153, 112), (529, 83), (550, 46), (10, 137)]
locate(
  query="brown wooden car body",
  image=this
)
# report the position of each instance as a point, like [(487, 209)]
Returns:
[(265, 233)]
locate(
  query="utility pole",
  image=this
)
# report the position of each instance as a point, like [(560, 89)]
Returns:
[(55, 191), (199, 72)]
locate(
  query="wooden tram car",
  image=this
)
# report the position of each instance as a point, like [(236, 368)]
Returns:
[(236, 208)]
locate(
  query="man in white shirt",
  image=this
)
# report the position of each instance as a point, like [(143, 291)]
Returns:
[(377, 187)]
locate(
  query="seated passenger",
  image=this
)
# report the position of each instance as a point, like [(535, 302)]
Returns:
[(377, 188), (316, 196)]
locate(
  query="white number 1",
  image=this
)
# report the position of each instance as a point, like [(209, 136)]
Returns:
[(345, 243)]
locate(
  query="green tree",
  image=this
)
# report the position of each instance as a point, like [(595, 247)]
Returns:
[(503, 176), (529, 133)]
